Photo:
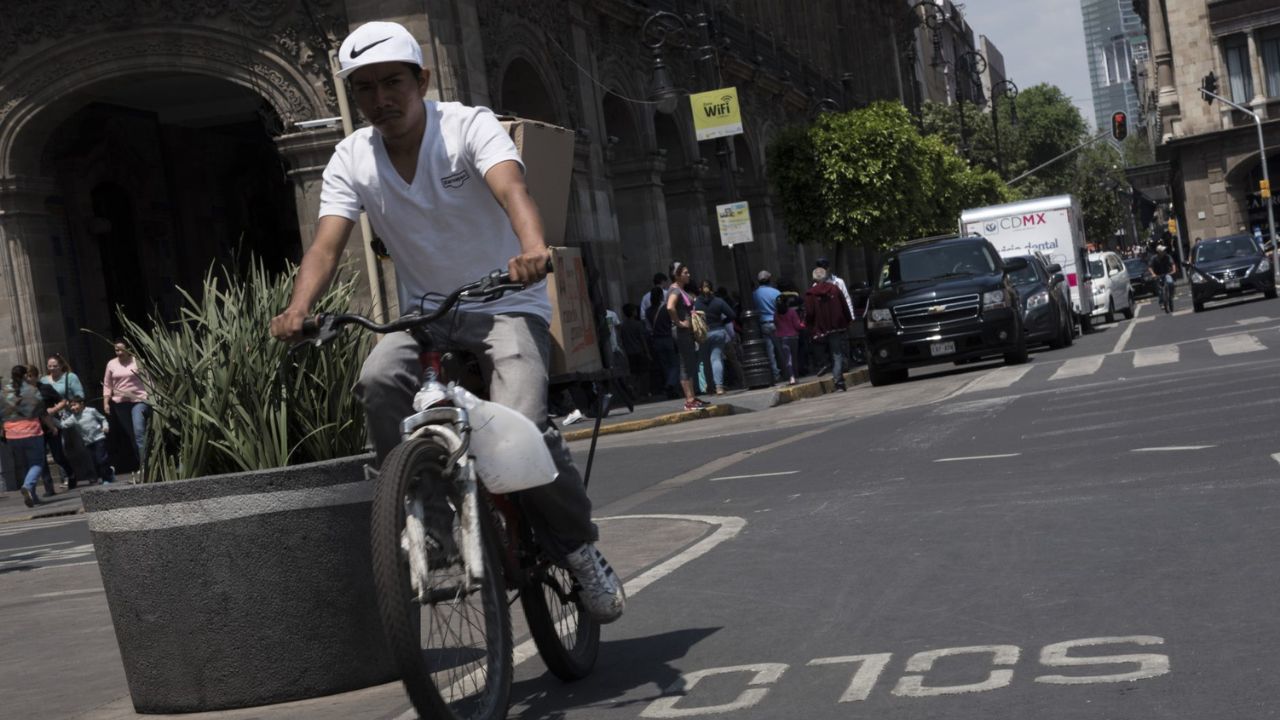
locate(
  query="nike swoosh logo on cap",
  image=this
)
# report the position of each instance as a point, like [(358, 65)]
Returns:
[(357, 53)]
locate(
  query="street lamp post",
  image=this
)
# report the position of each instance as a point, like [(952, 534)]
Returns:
[(664, 28), (973, 64), (1008, 89)]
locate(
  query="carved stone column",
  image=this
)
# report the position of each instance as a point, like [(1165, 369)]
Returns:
[(642, 216), (689, 216), (1163, 55), (30, 307)]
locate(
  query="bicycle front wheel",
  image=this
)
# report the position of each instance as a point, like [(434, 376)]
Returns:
[(567, 638), (450, 636)]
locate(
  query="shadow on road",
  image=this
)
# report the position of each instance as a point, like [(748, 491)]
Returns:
[(629, 672)]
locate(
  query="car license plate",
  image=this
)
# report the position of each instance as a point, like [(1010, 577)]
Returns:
[(1233, 284), (942, 348)]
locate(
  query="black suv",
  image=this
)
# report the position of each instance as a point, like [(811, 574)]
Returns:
[(1229, 266), (942, 300)]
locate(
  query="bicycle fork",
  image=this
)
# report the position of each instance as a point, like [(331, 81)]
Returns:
[(449, 426)]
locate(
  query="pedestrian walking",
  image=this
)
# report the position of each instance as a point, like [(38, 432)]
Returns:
[(125, 401), (827, 315), (48, 399), (91, 428), (788, 324), (58, 385), (720, 318), (766, 298), (680, 311), (21, 410), (651, 301), (634, 338)]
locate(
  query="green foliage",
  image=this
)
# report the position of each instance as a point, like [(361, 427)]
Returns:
[(217, 405), (1048, 125), (869, 177), (1098, 184)]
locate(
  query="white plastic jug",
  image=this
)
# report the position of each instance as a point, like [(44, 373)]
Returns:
[(509, 451)]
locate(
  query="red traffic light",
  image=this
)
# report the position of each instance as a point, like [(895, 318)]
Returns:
[(1119, 125)]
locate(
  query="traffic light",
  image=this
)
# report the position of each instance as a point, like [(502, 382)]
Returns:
[(1209, 84), (1119, 125)]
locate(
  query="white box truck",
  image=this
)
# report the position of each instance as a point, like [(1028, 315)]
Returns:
[(1050, 225)]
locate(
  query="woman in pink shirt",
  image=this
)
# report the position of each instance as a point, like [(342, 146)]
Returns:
[(122, 387), (788, 324)]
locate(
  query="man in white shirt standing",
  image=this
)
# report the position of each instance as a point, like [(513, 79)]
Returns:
[(834, 279), (443, 186)]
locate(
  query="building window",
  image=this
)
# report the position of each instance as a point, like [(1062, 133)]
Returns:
[(1271, 65), (1235, 51)]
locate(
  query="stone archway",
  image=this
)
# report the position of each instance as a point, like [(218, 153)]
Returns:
[(51, 89)]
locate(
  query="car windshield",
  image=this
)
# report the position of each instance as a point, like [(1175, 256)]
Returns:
[(1221, 249), (1096, 269), (936, 262), (1025, 276)]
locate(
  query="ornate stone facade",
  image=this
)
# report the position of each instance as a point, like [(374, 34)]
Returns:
[(643, 191)]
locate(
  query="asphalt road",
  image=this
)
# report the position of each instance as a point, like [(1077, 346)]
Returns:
[(1084, 536)]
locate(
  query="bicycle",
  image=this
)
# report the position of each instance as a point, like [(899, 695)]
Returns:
[(447, 549), (1166, 291)]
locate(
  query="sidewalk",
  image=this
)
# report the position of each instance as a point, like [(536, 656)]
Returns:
[(668, 412), (13, 509)]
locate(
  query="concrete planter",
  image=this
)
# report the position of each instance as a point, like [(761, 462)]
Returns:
[(243, 589)]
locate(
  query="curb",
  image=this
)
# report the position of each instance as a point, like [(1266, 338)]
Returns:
[(816, 388), (653, 422), (41, 516)]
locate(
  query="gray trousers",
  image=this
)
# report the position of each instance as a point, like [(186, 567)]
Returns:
[(514, 352)]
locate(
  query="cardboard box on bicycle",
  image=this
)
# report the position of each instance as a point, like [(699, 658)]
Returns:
[(547, 152), (575, 346)]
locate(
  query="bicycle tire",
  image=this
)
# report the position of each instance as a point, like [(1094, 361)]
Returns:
[(568, 640), (470, 682)]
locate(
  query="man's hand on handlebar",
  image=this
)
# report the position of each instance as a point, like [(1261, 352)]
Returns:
[(529, 267), (287, 326)]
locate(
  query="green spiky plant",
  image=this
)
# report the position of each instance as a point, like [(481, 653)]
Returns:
[(218, 403)]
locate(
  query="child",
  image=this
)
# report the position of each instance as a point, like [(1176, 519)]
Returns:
[(93, 430)]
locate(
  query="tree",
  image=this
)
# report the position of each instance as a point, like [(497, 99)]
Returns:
[(1048, 125), (1100, 185), (869, 178)]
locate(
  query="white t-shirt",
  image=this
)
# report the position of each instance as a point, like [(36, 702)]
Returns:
[(445, 228)]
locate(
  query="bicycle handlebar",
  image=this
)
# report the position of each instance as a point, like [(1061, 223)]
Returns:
[(323, 328)]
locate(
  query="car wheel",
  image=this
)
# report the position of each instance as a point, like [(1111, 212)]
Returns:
[(1018, 354), (1269, 294), (1111, 311), (1086, 324), (1071, 331), (1197, 306), (1128, 309), (1064, 332)]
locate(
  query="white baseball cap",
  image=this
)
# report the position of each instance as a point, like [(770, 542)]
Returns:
[(378, 42)]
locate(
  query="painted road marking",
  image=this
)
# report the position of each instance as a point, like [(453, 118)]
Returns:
[(65, 593), (757, 475), (728, 527), (35, 547), (1076, 367), (1158, 355), (1173, 448), (1179, 313), (1128, 331), (1246, 321), (977, 457), (1236, 344), (998, 379), (1276, 457)]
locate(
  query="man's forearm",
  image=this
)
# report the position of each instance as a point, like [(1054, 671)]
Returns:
[(314, 276), (526, 221)]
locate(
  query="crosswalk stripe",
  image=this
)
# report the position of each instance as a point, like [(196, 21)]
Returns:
[(1076, 367), (1236, 344), (999, 378), (1158, 355)]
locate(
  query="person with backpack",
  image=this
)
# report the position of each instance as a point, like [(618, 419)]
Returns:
[(827, 315)]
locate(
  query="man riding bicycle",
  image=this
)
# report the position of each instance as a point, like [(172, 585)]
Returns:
[(1163, 267), (443, 186)]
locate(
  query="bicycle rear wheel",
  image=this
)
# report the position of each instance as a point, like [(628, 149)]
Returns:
[(567, 638), (453, 648)]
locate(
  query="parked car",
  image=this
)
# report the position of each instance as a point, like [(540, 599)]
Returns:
[(1141, 282), (1046, 318), (1229, 266), (942, 300), (1110, 286)]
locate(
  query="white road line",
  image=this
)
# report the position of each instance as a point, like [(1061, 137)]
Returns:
[(728, 528), (1076, 367), (1128, 331), (1238, 323), (1179, 313), (35, 547), (1172, 448), (1159, 355), (997, 379), (64, 593), (1276, 457), (1236, 344), (977, 457), (757, 475)]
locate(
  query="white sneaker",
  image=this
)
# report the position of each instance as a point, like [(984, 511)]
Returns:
[(601, 591), (574, 417)]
